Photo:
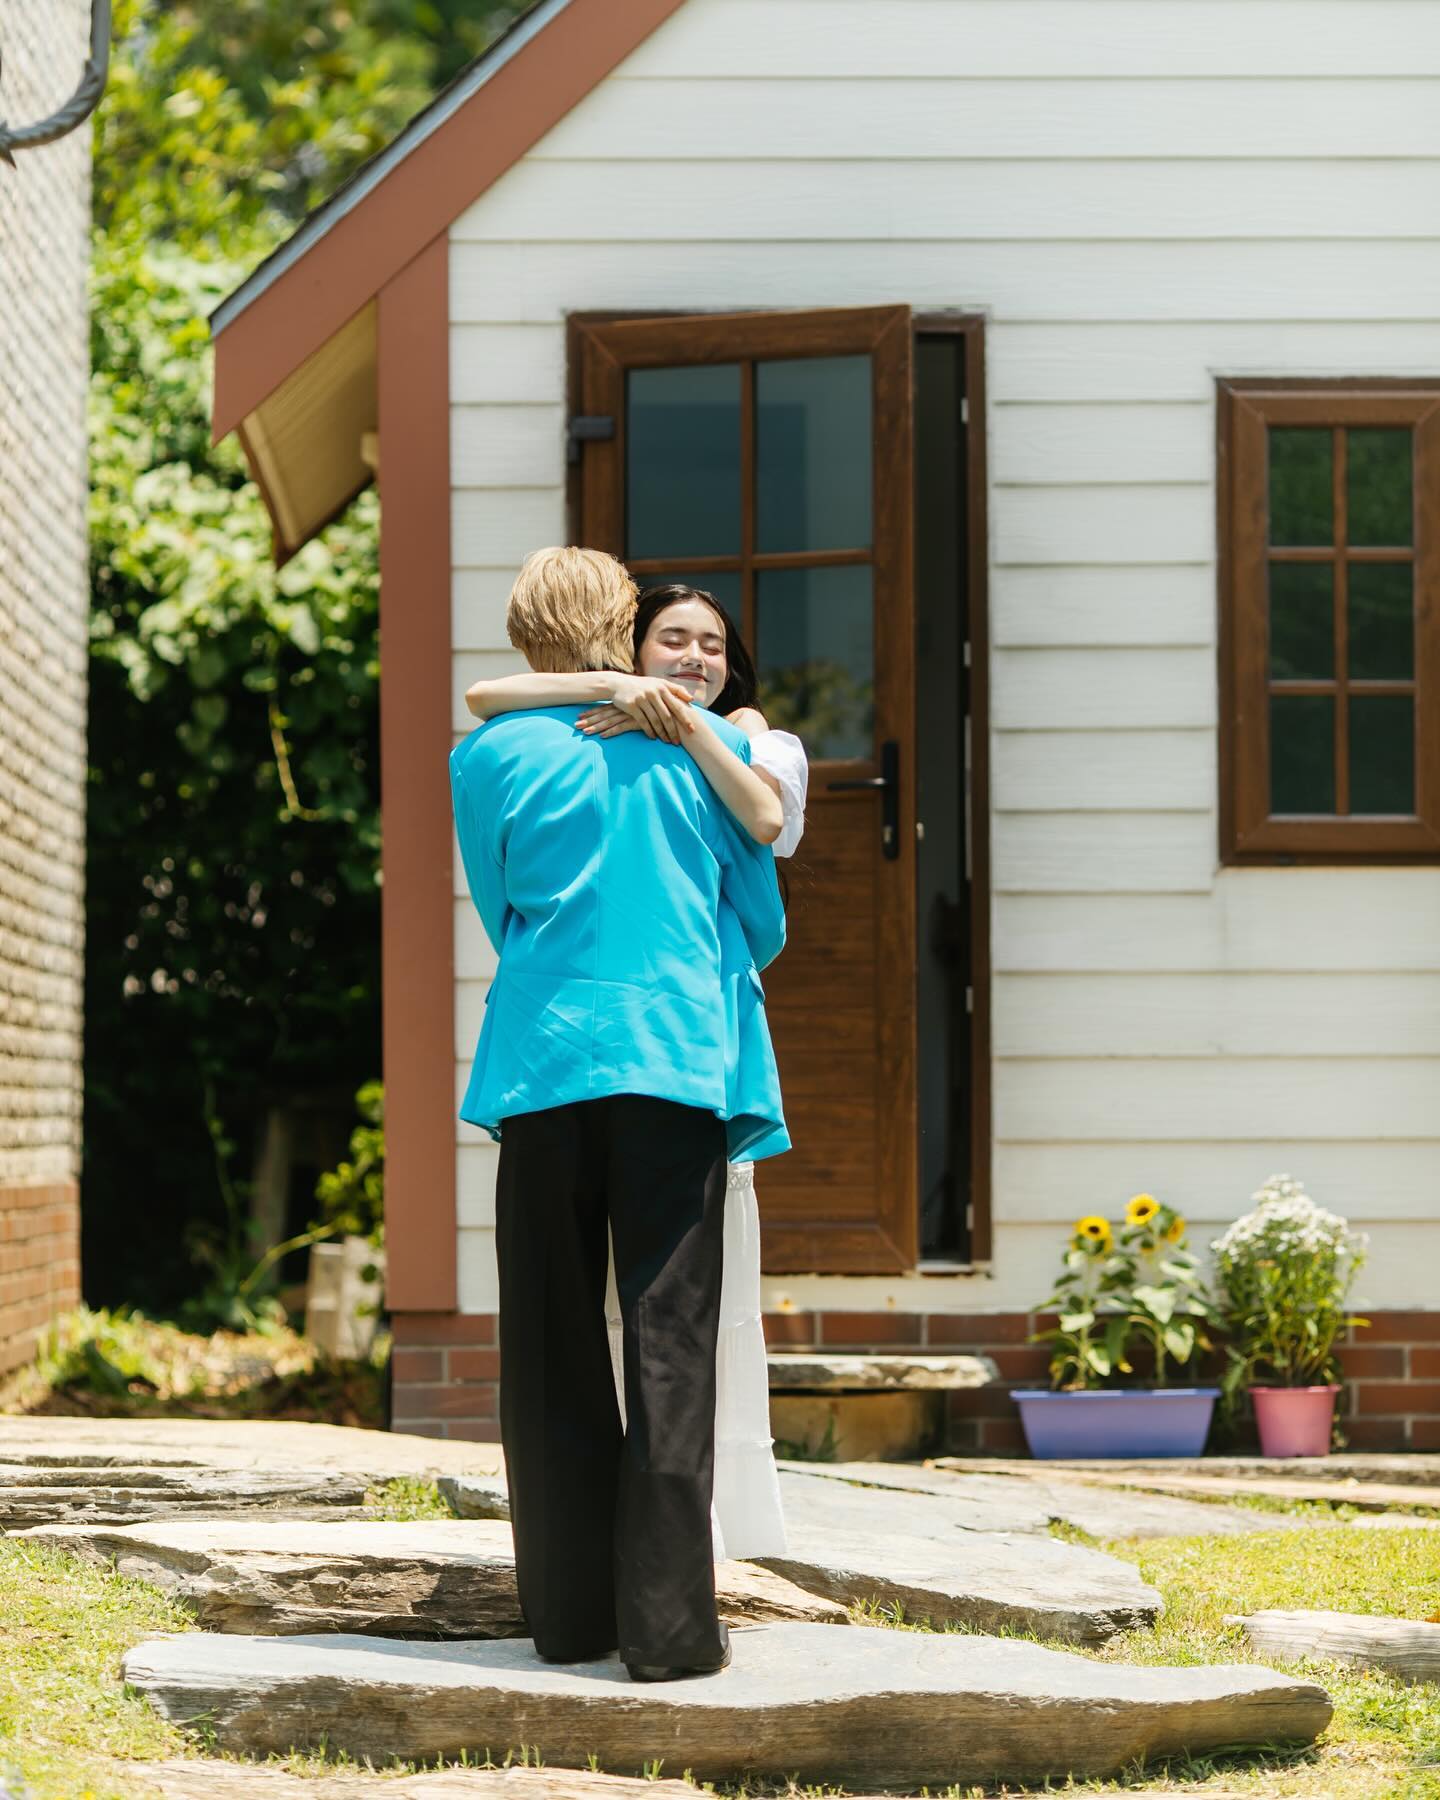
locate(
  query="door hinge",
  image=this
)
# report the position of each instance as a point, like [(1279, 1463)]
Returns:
[(587, 428), (969, 999), (964, 412)]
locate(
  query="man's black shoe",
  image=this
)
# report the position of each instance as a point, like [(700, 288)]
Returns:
[(659, 1672)]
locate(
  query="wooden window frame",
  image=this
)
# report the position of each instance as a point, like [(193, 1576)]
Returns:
[(1249, 833)]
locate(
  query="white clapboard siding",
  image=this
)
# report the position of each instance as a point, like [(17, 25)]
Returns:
[(1091, 446), (981, 39), (1092, 607), (498, 527), (1103, 771), (507, 446), (1400, 1272), (596, 200), (699, 119), (469, 1016), (1096, 364), (479, 665), (500, 283), (477, 1279), (516, 365), (1141, 198), (1206, 1014), (1214, 1182), (477, 608), (1102, 853), (1106, 690), (1235, 1098), (1103, 524), (474, 955), (475, 1185), (1255, 920)]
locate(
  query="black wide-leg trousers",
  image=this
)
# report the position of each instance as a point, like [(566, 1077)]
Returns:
[(612, 1526)]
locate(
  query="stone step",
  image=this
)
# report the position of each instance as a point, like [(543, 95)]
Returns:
[(104, 1497), (1032, 1502), (197, 1778), (1409, 1649), (476, 1496), (980, 1556), (820, 1372), (426, 1578), (863, 1706), (926, 1555)]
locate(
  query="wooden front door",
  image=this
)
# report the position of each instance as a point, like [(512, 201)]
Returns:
[(767, 457)]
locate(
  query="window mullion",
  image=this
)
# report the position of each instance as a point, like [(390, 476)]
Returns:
[(1342, 610)]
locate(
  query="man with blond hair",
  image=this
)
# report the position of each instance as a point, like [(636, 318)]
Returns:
[(600, 868)]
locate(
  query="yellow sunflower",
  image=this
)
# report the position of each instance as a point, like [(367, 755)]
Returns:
[(1176, 1231), (1142, 1209), (1093, 1230)]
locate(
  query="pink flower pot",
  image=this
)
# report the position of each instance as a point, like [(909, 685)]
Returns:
[(1294, 1421)]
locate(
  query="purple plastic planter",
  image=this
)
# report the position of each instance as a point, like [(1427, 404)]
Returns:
[(1137, 1422)]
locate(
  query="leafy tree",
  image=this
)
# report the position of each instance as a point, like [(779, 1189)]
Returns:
[(233, 860)]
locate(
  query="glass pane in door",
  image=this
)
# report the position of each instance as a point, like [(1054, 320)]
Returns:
[(812, 454), (815, 651), (682, 461)]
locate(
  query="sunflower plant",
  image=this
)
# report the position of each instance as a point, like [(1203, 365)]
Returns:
[(1139, 1286)]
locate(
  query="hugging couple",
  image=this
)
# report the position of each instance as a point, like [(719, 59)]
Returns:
[(616, 811)]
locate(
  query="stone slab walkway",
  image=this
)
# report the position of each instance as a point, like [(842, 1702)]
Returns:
[(264, 1445), (427, 1578), (116, 1495), (862, 1707), (1409, 1649), (208, 1779), (203, 1779), (932, 1557), (1367, 1495), (1032, 1503)]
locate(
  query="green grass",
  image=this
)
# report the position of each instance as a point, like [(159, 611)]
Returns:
[(408, 1497), (67, 1727), (63, 1713)]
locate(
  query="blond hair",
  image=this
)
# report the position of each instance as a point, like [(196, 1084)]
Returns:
[(572, 609)]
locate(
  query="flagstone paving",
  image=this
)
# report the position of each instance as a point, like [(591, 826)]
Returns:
[(931, 1558), (268, 1446), (428, 1578), (860, 1706), (116, 1495), (982, 1559), (1032, 1504), (201, 1779), (1406, 1648)]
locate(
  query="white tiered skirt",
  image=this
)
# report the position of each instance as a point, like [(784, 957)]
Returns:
[(746, 1518)]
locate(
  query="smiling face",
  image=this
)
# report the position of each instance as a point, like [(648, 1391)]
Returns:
[(686, 644)]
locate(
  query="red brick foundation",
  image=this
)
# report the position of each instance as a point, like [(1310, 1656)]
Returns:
[(446, 1370), (39, 1264), (445, 1376)]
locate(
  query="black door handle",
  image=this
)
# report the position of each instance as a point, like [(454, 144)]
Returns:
[(887, 784)]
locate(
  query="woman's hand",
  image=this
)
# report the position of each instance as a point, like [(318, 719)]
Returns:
[(659, 708)]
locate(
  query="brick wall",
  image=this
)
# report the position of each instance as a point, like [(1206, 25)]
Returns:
[(44, 220), (445, 1375), (446, 1372)]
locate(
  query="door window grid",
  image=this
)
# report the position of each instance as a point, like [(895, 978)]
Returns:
[(828, 700)]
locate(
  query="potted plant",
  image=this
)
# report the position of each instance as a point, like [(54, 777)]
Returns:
[(1285, 1272), (1116, 1298)]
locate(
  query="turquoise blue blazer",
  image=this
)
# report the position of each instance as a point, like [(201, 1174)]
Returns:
[(631, 915)]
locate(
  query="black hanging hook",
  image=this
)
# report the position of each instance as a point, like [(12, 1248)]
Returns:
[(81, 103)]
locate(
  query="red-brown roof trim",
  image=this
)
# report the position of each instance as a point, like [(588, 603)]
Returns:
[(366, 242)]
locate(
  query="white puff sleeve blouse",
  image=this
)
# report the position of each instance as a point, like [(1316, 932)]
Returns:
[(781, 755)]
